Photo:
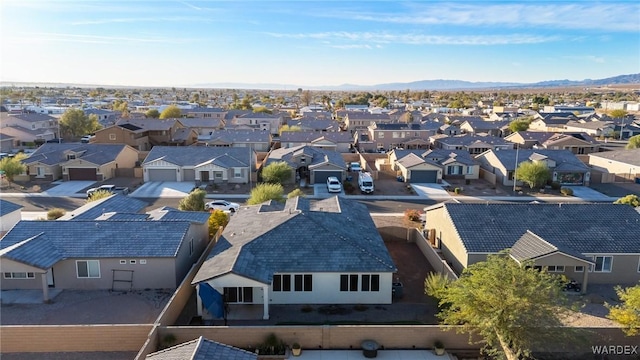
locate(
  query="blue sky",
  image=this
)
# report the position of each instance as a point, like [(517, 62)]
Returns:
[(309, 43)]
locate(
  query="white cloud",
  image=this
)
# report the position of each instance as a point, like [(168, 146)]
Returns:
[(588, 58), (40, 38), (185, 19), (420, 39)]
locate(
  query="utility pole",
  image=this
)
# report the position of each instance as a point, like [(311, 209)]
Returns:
[(515, 170)]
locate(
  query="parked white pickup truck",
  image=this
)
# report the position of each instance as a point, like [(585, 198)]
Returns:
[(109, 188)]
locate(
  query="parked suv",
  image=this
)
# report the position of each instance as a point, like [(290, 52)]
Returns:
[(333, 184), (222, 205), (365, 182)]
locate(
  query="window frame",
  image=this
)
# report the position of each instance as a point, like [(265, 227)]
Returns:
[(113, 137), (87, 262), (12, 275), (370, 282), (602, 270)]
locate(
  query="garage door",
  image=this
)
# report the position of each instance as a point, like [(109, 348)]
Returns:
[(82, 174), (162, 175), (321, 176), (189, 175), (424, 176)]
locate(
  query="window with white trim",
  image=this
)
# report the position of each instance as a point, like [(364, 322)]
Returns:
[(370, 282), (112, 137), (469, 170), (302, 282), (123, 262), (88, 268), (19, 275), (348, 282), (555, 268), (143, 262), (282, 282), (603, 263), (579, 269), (132, 262), (237, 172)]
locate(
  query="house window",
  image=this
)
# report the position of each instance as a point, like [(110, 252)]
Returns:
[(348, 282), (282, 282), (132, 262), (88, 268), (71, 156), (510, 175), (370, 282), (579, 269), (112, 137), (123, 262), (395, 135), (238, 294), (143, 262), (19, 275), (603, 263), (469, 170), (555, 268), (217, 174), (302, 282), (237, 172), (380, 135)]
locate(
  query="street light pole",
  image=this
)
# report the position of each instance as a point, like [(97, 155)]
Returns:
[(515, 170)]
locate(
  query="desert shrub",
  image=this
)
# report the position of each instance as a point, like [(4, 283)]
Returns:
[(296, 192), (457, 190), (566, 191), (555, 185), (412, 214), (55, 213), (265, 192)]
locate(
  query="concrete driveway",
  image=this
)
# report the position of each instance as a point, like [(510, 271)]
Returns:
[(588, 194), (69, 188), (432, 191), (321, 191), (163, 189)]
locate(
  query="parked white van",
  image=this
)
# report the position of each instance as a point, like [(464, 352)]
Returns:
[(365, 182)]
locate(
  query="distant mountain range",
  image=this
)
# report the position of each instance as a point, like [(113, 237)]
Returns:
[(414, 85), (436, 84)]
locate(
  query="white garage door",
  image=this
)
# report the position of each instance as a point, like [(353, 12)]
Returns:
[(163, 175)]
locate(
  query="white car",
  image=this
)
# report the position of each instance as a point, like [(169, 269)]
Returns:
[(222, 205), (333, 184), (355, 166)]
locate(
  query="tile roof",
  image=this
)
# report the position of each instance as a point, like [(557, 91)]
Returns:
[(201, 122), (563, 158), (7, 207), (114, 203), (585, 228), (202, 349), (54, 153), (310, 136), (43, 243), (149, 124), (531, 246), (314, 123), (410, 160), (400, 126), (226, 157), (442, 156), (170, 214), (592, 125), (363, 115), (29, 117), (241, 136), (467, 139), (630, 156), (318, 156), (330, 235)]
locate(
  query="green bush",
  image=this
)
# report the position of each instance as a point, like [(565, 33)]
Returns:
[(566, 191), (265, 192), (555, 185), (55, 213), (457, 191), (296, 192)]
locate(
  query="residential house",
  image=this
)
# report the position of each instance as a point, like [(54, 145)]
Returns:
[(565, 167), (124, 253), (551, 123), (200, 164), (529, 139), (256, 121), (258, 140), (73, 161), (10, 214), (593, 128), (474, 144), (106, 118), (217, 114), (309, 162), (341, 141), (398, 135), (29, 128), (625, 164), (480, 126), (594, 243), (107, 207), (454, 163), (570, 109), (142, 134), (448, 130), (7, 143), (411, 167), (200, 349), (361, 120), (577, 143), (300, 252), (204, 127)]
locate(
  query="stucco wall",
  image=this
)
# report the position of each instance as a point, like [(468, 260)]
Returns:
[(447, 239), (185, 259), (9, 220), (612, 166)]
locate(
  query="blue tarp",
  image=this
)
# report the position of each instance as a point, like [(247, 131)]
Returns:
[(211, 300)]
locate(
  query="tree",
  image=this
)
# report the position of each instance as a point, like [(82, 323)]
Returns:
[(172, 111), (631, 200), (97, 195), (217, 219), (284, 128), (634, 142), (276, 172), (307, 97), (194, 201), (152, 113), (535, 174), (519, 125), (265, 192), (627, 313), (12, 166), (76, 123), (296, 192), (513, 307), (618, 113)]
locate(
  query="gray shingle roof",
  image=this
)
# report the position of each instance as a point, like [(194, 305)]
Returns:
[(226, 157), (52, 241), (7, 207), (31, 117), (442, 156), (309, 136), (331, 235), (114, 203), (241, 136), (314, 123), (586, 228), (149, 124), (564, 159), (631, 156), (318, 156), (202, 349), (54, 153), (201, 122), (466, 140)]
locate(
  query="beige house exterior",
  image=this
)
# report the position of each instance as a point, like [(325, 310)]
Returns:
[(126, 159), (137, 139), (624, 163)]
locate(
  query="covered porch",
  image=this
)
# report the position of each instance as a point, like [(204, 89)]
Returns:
[(21, 277), (232, 297)]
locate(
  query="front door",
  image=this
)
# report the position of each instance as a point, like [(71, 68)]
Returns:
[(50, 281), (204, 176), (40, 170)]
